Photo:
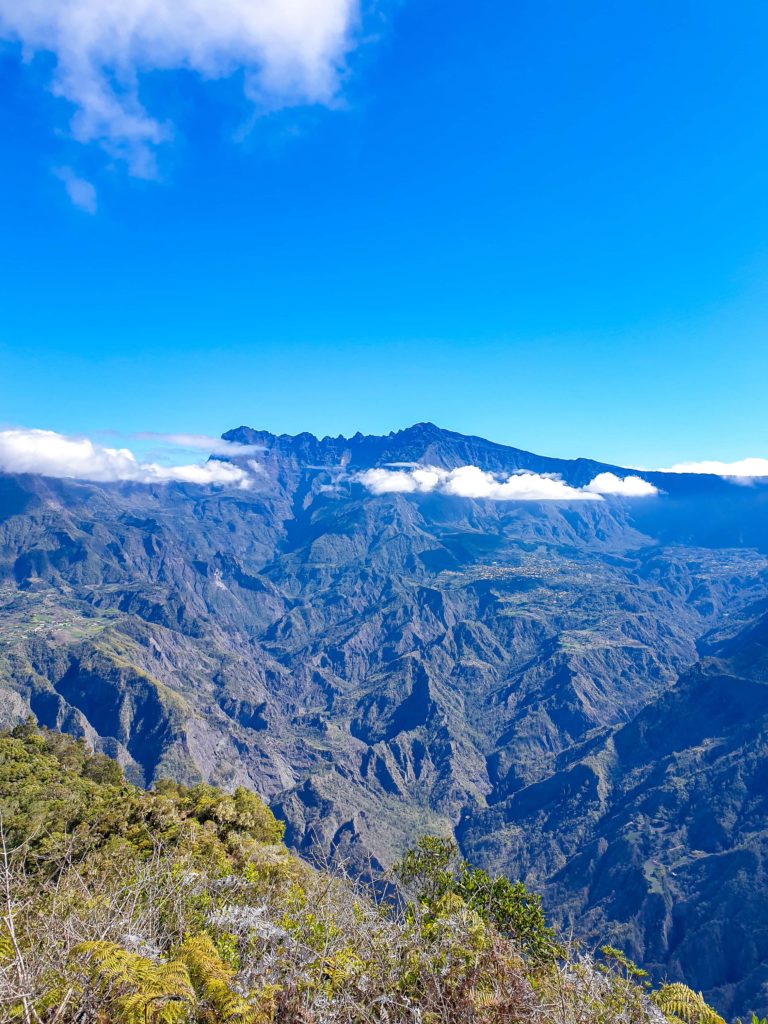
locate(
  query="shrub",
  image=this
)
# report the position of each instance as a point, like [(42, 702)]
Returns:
[(180, 906), (432, 872)]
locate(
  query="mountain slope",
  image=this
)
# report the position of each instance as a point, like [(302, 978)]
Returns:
[(655, 834)]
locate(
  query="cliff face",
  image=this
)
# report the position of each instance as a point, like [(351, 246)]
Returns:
[(380, 666), (655, 834)]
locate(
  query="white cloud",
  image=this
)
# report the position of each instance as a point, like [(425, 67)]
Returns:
[(81, 192), (473, 482), (289, 51), (743, 469), (51, 454), (386, 481), (627, 487)]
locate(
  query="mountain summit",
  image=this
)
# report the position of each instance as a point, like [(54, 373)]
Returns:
[(422, 443)]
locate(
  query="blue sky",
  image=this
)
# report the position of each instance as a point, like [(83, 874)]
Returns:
[(543, 222)]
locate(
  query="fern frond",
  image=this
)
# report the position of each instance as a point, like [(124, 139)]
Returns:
[(6, 947), (213, 981), (681, 1005), (137, 988)]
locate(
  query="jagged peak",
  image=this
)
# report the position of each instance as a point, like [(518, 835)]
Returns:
[(415, 430)]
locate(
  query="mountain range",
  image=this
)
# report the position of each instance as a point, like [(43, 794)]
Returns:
[(574, 687)]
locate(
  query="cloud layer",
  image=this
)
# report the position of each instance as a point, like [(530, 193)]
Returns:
[(48, 453), (744, 469), (473, 482), (52, 454), (289, 51)]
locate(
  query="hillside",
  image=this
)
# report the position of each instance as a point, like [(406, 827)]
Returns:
[(180, 905), (381, 664)]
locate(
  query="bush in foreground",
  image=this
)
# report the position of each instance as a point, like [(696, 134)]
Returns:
[(121, 906)]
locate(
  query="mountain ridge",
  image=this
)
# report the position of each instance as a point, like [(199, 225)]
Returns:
[(425, 431)]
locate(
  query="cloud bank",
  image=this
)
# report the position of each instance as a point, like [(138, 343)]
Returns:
[(744, 469), (473, 482), (48, 453), (289, 52), (51, 454)]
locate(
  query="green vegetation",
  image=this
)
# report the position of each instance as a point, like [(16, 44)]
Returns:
[(431, 871), (121, 906), (683, 1006)]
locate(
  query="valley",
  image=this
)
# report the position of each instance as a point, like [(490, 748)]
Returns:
[(383, 665)]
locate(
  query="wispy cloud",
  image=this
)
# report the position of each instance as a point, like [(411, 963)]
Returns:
[(81, 192), (51, 454), (289, 52), (473, 482), (743, 469), (201, 442)]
